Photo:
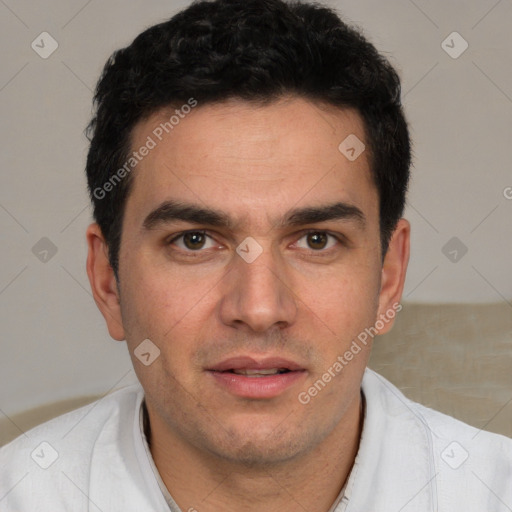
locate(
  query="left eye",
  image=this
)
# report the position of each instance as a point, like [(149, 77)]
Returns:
[(317, 241), (193, 241)]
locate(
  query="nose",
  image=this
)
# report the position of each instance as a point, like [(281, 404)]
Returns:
[(257, 295)]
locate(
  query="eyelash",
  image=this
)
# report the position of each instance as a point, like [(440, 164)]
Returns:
[(319, 252)]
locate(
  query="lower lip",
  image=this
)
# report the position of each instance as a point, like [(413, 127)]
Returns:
[(268, 386)]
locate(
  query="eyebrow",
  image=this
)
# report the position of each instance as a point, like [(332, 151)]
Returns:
[(171, 211)]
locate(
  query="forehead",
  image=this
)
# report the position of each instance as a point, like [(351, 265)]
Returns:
[(251, 161)]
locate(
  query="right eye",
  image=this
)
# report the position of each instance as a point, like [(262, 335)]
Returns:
[(192, 241)]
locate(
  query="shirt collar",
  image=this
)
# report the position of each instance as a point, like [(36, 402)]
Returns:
[(394, 467)]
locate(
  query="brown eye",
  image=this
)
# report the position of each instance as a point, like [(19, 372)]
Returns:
[(317, 240), (189, 242), (194, 240)]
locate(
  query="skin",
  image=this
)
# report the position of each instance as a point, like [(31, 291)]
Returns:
[(213, 449)]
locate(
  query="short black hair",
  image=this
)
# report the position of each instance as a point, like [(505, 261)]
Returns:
[(254, 50)]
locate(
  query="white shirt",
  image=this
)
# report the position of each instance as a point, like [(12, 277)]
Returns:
[(410, 459)]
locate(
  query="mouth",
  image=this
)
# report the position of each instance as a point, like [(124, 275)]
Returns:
[(259, 373), (249, 377)]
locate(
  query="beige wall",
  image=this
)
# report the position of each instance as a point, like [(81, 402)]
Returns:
[(53, 339)]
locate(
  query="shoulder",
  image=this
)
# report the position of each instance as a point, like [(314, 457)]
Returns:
[(81, 424), (441, 427), (456, 442), (467, 464), (53, 459), (471, 464)]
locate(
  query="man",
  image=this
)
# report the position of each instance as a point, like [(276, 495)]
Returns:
[(248, 167)]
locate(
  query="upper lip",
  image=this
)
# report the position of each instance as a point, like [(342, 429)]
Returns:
[(252, 363)]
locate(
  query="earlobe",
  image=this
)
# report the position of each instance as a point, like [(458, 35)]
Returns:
[(394, 270), (103, 281)]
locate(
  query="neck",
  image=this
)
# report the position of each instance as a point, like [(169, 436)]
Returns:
[(201, 482)]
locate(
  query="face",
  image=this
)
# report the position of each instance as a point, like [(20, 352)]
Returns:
[(250, 257)]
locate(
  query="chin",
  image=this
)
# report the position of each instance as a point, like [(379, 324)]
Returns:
[(256, 446), (263, 454)]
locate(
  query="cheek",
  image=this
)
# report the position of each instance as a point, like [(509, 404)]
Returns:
[(168, 306), (347, 311), (157, 295), (159, 310), (345, 301)]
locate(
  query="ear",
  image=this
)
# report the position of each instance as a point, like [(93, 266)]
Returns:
[(103, 282), (394, 269)]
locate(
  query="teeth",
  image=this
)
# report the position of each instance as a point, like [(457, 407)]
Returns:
[(259, 373)]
